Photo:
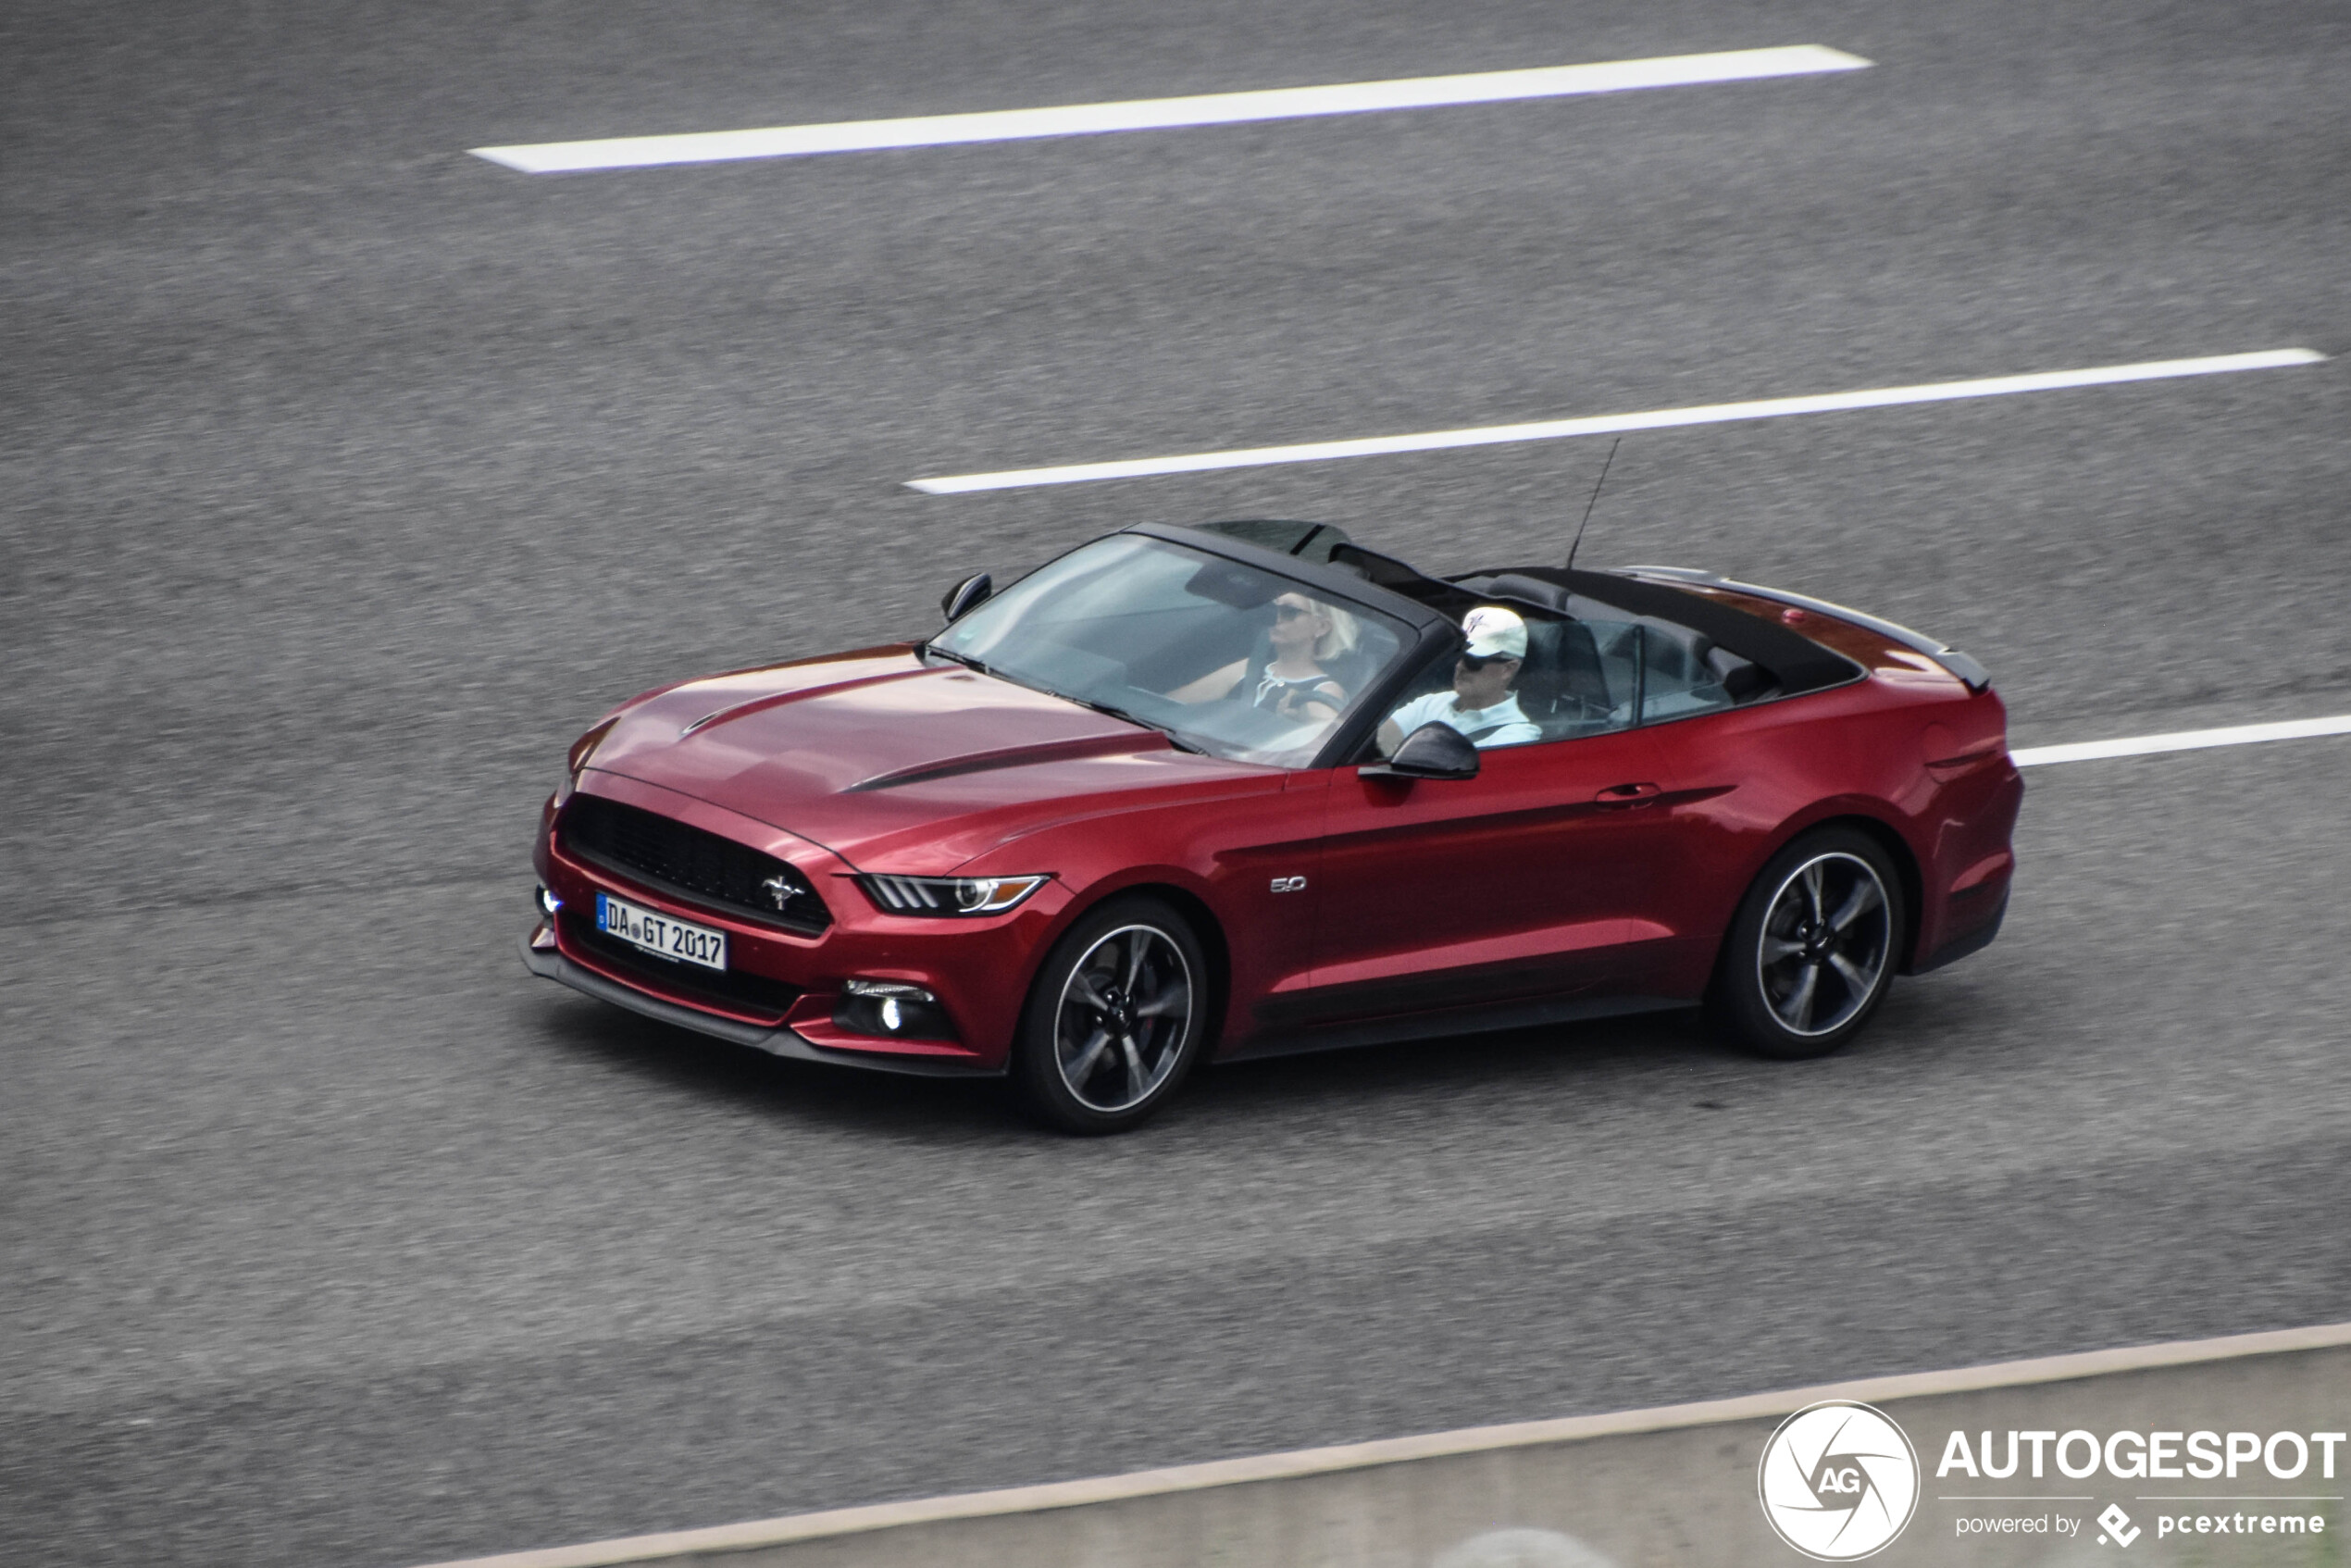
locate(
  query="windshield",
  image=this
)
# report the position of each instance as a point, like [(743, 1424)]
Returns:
[(1223, 657)]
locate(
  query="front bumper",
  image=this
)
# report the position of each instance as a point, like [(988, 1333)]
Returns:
[(778, 1040), (784, 987)]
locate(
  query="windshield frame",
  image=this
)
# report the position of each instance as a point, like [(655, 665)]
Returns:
[(1426, 629)]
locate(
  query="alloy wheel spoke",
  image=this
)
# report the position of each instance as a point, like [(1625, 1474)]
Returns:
[(1851, 975), (1138, 949), (1076, 1072), (1865, 897), (1778, 947), (1798, 1009), (1812, 889), (1173, 1000), (1136, 1080), (1081, 986)]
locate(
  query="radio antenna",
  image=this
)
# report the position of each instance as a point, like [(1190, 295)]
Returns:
[(1594, 502)]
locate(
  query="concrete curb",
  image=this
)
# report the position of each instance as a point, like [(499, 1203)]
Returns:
[(726, 1539)]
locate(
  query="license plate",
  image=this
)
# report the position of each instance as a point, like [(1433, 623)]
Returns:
[(661, 934)]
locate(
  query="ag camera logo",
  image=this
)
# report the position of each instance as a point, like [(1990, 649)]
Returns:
[(1838, 1481)]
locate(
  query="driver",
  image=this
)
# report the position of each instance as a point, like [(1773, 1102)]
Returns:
[(1295, 685), (1298, 680), (1481, 704)]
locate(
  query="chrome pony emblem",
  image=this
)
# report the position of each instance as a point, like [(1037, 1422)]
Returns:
[(780, 890)]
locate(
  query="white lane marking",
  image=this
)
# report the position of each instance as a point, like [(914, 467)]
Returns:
[(1605, 424), (2183, 740), (1160, 114)]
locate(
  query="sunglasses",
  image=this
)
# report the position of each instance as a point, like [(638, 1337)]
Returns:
[(1291, 612), (1474, 662)]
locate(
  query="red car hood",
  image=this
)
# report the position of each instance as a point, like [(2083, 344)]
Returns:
[(896, 765)]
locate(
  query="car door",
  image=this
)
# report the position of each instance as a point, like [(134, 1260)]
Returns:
[(1537, 879)]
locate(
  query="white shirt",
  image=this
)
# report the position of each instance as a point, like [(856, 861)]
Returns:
[(1442, 707)]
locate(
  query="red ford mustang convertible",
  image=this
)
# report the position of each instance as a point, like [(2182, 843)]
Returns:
[(1251, 788)]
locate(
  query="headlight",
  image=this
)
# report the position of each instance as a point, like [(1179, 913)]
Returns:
[(948, 897)]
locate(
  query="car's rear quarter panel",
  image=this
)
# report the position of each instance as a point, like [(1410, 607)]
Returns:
[(1909, 748)]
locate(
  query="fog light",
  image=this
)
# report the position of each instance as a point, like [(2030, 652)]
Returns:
[(895, 989), (544, 904), (893, 1008)]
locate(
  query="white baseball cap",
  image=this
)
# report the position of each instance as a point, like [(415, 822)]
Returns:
[(1495, 633)]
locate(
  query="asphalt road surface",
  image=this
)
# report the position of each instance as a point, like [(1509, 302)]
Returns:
[(345, 477)]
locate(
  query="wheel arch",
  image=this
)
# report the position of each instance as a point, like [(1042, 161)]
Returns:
[(1195, 912), (1906, 866), (1211, 933), (1727, 999)]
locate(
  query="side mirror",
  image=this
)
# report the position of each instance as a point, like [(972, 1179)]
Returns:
[(1434, 751), (966, 593)]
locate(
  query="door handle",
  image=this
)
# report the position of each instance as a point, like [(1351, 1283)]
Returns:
[(1621, 795)]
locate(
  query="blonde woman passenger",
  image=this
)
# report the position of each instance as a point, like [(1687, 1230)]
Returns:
[(1298, 682)]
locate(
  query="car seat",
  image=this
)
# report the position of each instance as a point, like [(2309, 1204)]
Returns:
[(1562, 686)]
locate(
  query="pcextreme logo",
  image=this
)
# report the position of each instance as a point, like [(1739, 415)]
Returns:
[(1838, 1481)]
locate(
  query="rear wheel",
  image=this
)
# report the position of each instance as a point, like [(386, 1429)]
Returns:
[(1114, 1020), (1811, 953)]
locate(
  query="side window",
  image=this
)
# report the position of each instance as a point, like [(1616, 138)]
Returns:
[(1655, 670), (1579, 677), (1604, 672), (1616, 667), (1590, 674)]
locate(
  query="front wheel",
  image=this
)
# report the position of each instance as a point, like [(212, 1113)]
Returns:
[(1115, 1019), (1811, 952)]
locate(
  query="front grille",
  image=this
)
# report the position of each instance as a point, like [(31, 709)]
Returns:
[(674, 858), (735, 989)]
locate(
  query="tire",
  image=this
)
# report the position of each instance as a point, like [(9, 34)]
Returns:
[(1812, 949), (1116, 1018)]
